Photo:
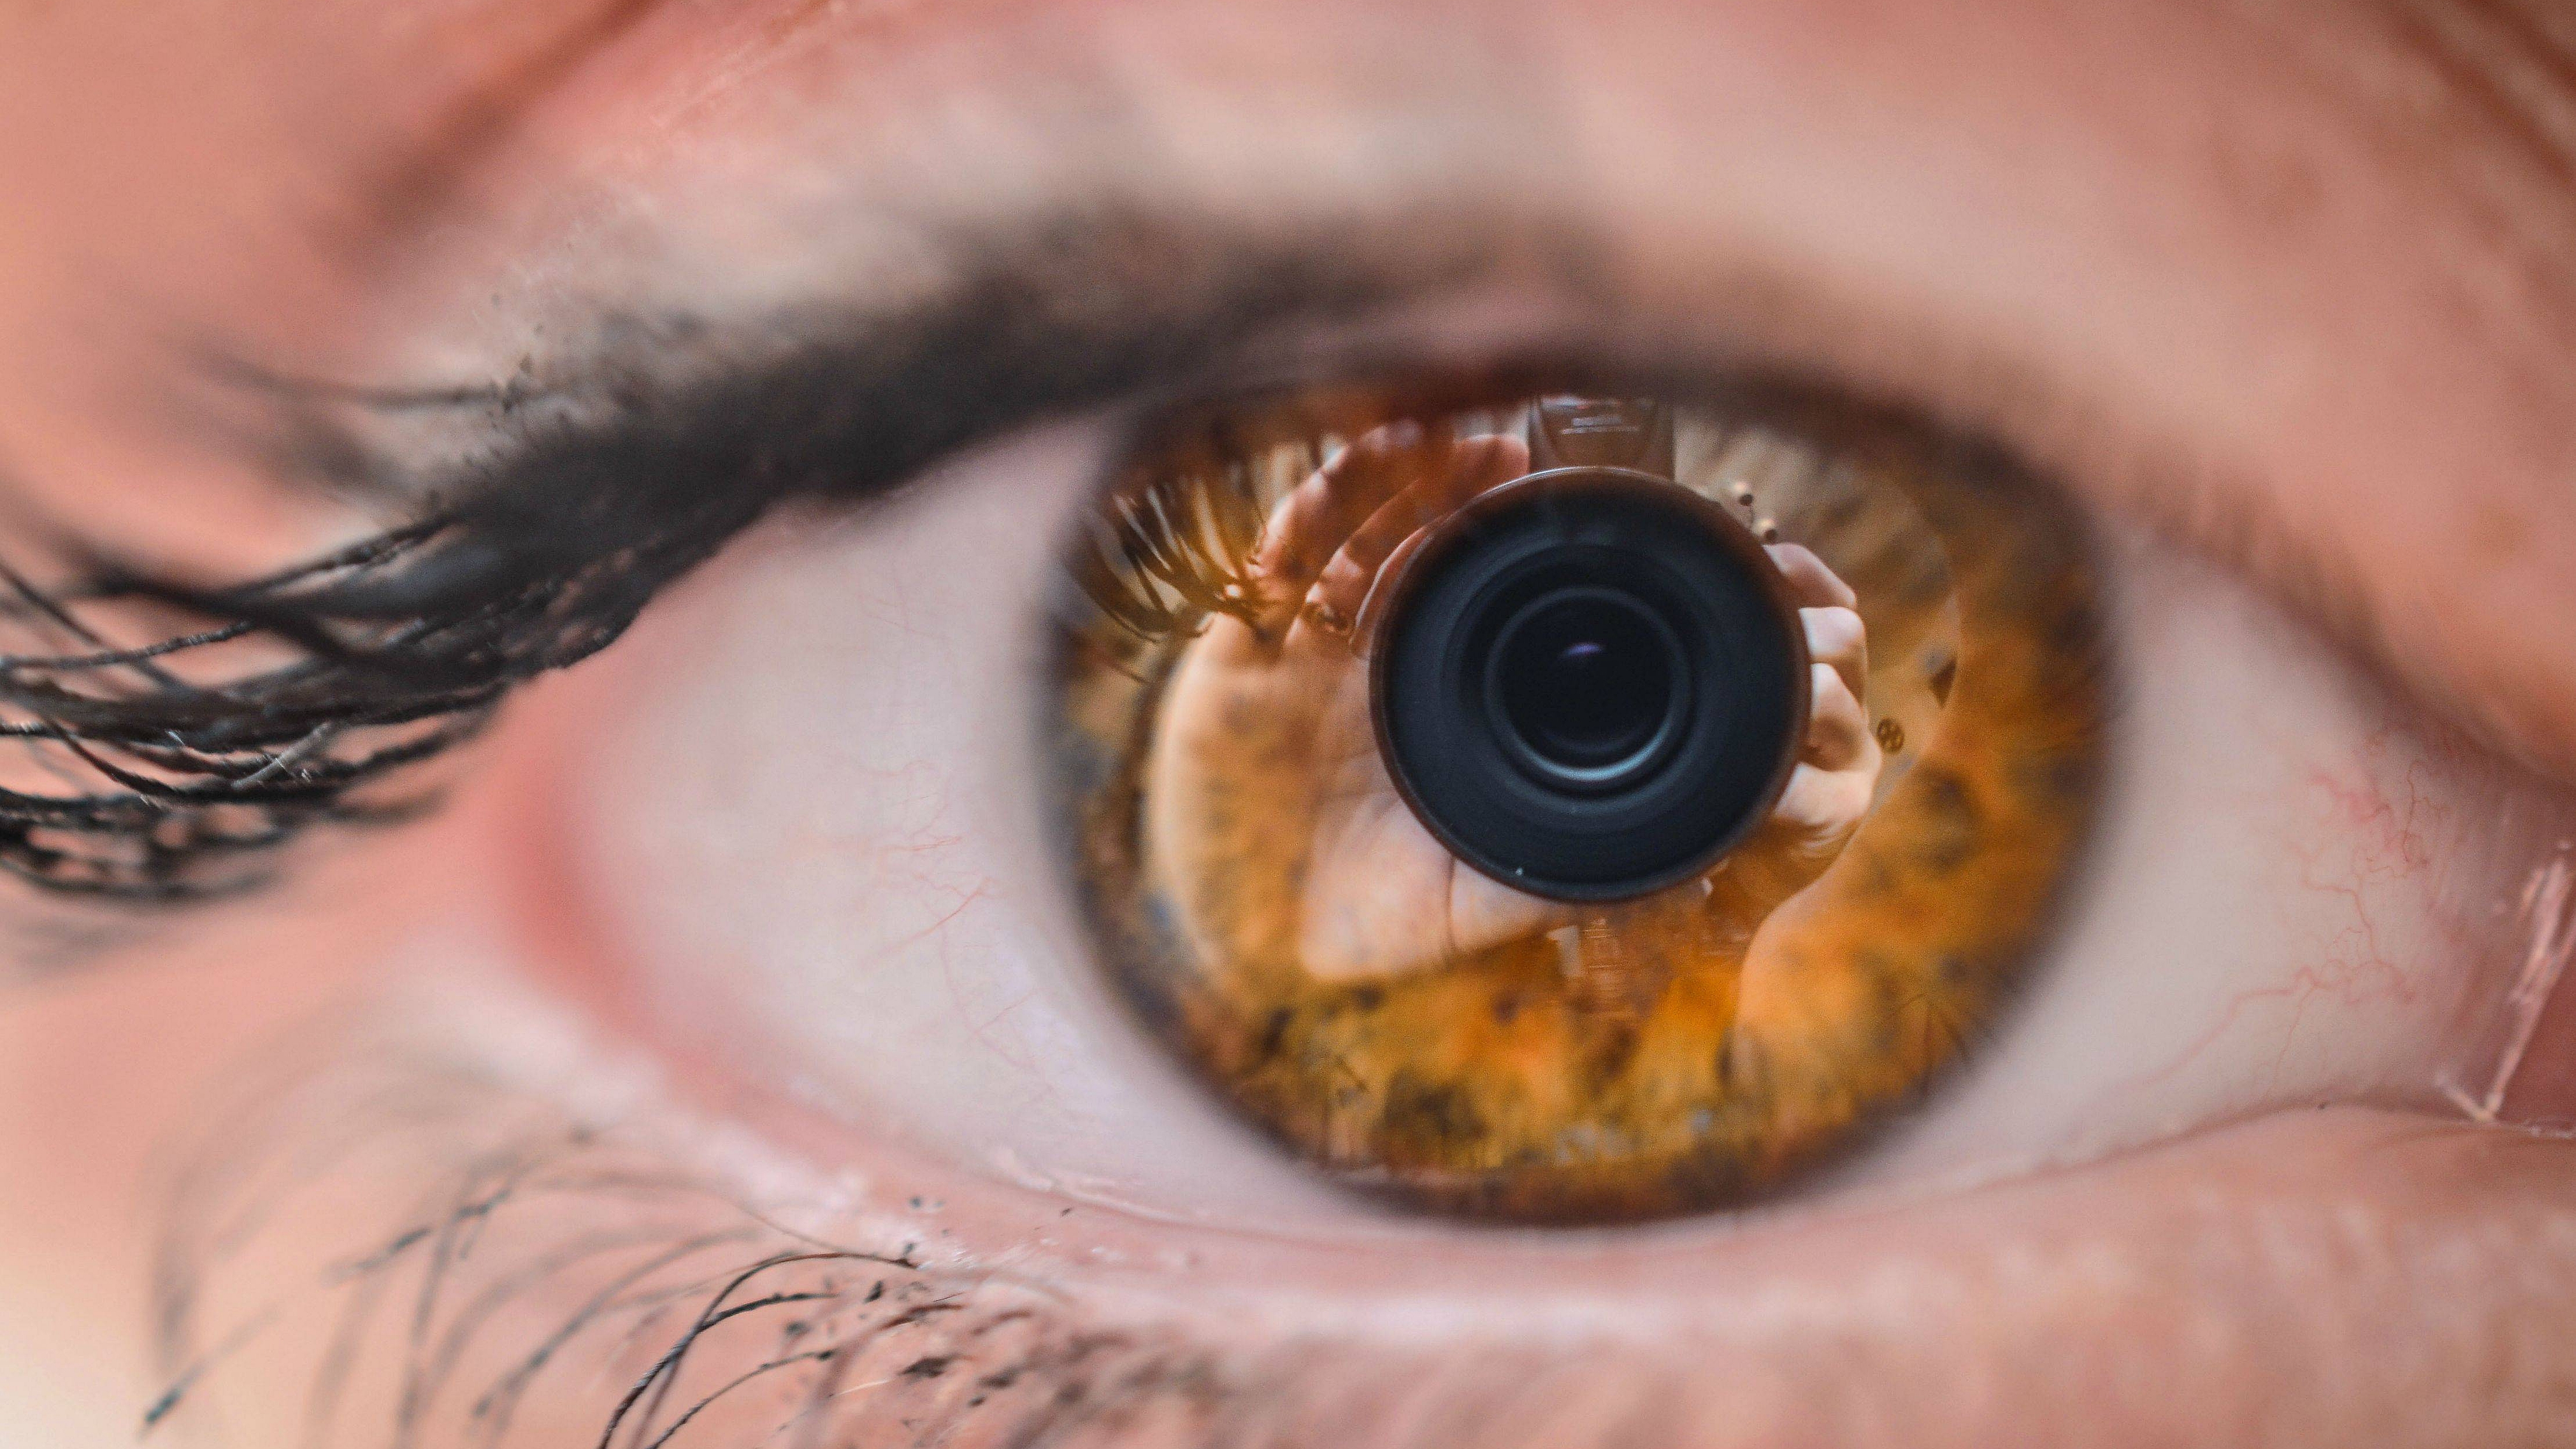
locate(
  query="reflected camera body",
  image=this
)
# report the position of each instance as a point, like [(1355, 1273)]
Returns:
[(1592, 432)]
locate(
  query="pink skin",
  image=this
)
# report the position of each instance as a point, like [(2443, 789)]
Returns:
[(1381, 895), (2312, 260)]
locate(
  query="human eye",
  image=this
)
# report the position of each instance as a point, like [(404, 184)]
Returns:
[(1454, 801), (2211, 921), (924, 898)]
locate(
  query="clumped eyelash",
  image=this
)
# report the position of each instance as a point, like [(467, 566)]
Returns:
[(151, 772), (176, 769)]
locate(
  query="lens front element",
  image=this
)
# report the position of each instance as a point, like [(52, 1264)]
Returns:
[(1588, 683)]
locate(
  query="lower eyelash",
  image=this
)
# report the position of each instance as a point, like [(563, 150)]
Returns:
[(703, 1308)]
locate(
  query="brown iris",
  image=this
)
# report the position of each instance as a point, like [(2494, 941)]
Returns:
[(1287, 919)]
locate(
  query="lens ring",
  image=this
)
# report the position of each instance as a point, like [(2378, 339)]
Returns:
[(1671, 810)]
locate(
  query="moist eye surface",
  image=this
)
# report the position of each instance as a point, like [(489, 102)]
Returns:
[(1570, 808)]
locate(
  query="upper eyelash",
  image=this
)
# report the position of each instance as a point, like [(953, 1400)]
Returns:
[(185, 782), (671, 445), (183, 776)]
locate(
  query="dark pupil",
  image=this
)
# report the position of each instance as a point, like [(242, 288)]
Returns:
[(1585, 681)]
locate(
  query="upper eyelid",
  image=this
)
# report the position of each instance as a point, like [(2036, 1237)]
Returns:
[(542, 550), (676, 420)]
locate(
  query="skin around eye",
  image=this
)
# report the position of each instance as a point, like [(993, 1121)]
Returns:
[(2322, 249), (1300, 926)]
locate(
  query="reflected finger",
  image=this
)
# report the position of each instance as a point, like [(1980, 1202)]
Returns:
[(1838, 735), (1811, 584), (1476, 466), (1317, 516), (1836, 637), (1821, 804)]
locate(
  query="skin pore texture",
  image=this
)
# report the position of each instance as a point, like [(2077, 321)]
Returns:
[(2290, 285)]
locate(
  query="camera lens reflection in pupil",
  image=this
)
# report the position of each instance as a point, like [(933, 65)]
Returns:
[(1585, 680), (1587, 683)]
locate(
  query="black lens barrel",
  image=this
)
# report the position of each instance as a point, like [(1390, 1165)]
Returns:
[(1589, 683)]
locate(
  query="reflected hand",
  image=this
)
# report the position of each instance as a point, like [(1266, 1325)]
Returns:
[(1268, 744), (1836, 777)]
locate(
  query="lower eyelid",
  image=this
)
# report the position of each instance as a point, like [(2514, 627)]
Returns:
[(457, 1249)]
